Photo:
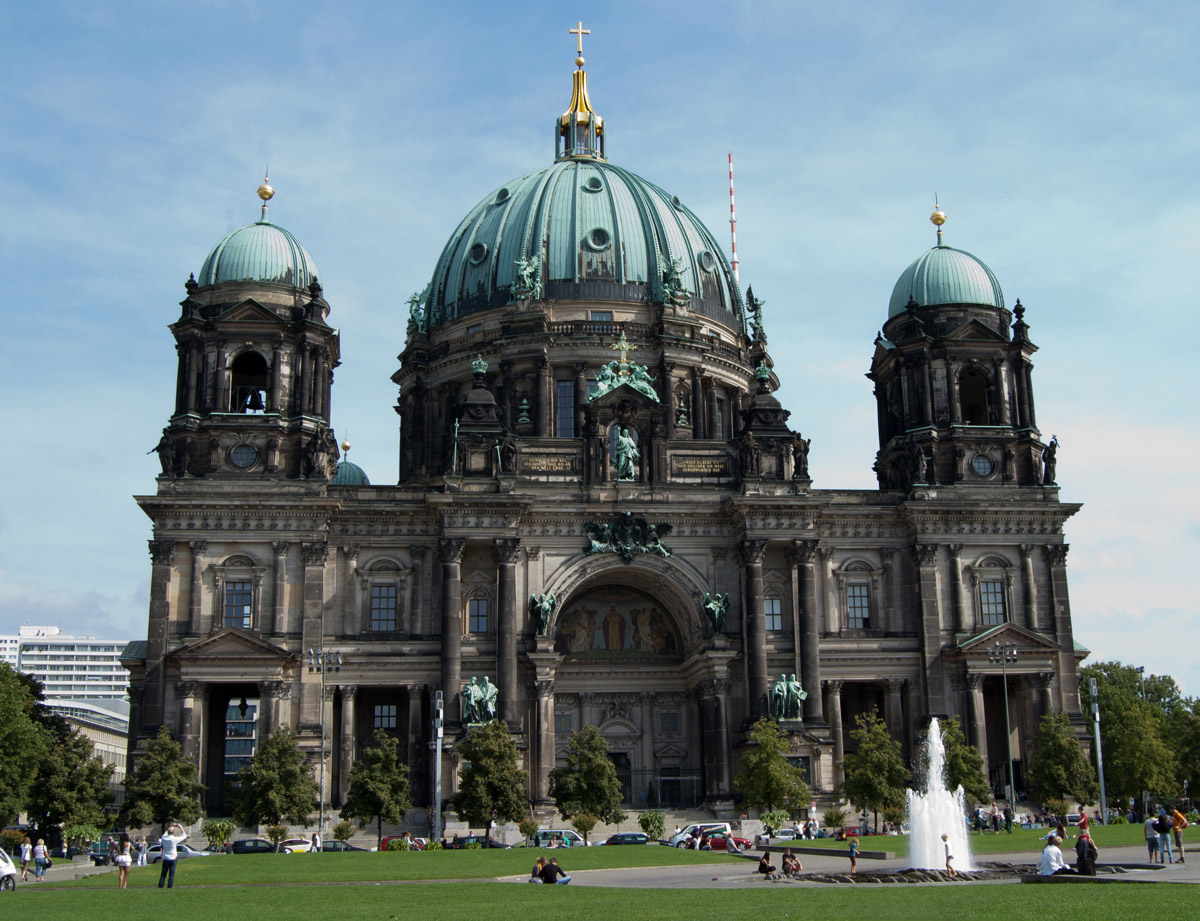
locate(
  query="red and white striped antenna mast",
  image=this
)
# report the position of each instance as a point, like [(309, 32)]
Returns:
[(732, 220)]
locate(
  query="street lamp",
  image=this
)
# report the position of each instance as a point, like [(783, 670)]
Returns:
[(1142, 679), (323, 662), (1004, 653), (1092, 686)]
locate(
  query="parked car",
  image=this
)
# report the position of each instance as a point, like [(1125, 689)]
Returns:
[(482, 840), (296, 846), (252, 846), (680, 840), (417, 843), (154, 854), (854, 831), (718, 842), (328, 846), (627, 837), (100, 853), (552, 837)]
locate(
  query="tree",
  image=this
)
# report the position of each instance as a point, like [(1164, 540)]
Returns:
[(491, 787), (588, 783), (875, 774), (1058, 768), (162, 786), (219, 833), (654, 824), (22, 743), (964, 764), (378, 785), (1135, 756), (768, 780), (277, 784), (71, 784)]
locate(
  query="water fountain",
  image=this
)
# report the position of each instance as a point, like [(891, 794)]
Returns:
[(937, 811)]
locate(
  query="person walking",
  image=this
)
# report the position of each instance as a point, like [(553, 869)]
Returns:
[(124, 861), (950, 871), (143, 848), (41, 860), (1178, 824), (170, 841), (26, 857)]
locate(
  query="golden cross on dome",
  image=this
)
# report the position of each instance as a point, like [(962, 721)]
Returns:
[(581, 32), (623, 346)]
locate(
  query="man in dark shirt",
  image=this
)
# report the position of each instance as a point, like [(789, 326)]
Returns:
[(552, 873)]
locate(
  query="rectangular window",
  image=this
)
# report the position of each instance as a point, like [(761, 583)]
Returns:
[(858, 607), (241, 738), (477, 615), (600, 316), (564, 409), (383, 608), (773, 614), (991, 596), (384, 716), (237, 604), (719, 427)]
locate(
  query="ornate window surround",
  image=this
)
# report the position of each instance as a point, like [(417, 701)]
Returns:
[(991, 568), (859, 571), (777, 589), (479, 586), (237, 567), (384, 571)]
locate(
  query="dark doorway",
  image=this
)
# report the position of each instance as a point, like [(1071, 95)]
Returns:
[(624, 768)]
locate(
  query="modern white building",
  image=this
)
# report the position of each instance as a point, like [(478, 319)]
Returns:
[(69, 667)]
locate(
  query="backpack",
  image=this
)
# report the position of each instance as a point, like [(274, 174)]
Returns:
[(1163, 825)]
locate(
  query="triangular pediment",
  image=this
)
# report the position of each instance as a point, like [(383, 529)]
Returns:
[(231, 643), (973, 330), (1025, 640), (620, 394), (250, 311)]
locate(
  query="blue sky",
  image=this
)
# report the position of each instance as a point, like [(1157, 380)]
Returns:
[(1061, 138)]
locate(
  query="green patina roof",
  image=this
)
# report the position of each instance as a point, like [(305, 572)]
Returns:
[(260, 252), (349, 474), (945, 275)]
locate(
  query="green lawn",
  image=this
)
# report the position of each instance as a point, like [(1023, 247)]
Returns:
[(1020, 840), (513, 902)]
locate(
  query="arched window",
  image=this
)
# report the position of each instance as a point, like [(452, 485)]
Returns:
[(973, 397), (383, 585), (249, 382), (859, 586), (992, 581), (237, 590)]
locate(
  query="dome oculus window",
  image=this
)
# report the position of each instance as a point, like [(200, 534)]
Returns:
[(243, 456), (983, 465), (501, 196), (598, 239), (707, 262), (478, 253), (676, 203), (593, 184)]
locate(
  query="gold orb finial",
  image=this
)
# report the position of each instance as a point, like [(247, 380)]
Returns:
[(579, 61), (938, 218), (345, 445), (265, 192)]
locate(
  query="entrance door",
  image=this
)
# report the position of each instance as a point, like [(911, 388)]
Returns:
[(624, 768)]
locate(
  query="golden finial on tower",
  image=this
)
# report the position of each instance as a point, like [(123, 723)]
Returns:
[(938, 218), (580, 31), (265, 192)]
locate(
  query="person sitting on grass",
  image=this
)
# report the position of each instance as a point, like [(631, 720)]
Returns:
[(731, 846), (535, 875), (1052, 863), (764, 865), (791, 863), (553, 874)]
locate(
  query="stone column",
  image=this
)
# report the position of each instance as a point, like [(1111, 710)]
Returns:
[(329, 743), (952, 386), (1042, 698), (890, 619), (304, 355), (926, 372), (351, 621), (508, 550), (646, 717), (1028, 368), (1029, 595), (195, 362), (162, 557), (978, 720), (349, 694), (275, 394), (195, 598), (320, 382), (714, 697), (1002, 391), (421, 617), (751, 552), (580, 370), (312, 629), (279, 618), (961, 622), (189, 719), (895, 708), (697, 405), (545, 384), (451, 552), (925, 556), (544, 763), (810, 631), (270, 693), (1060, 606), (833, 694), (220, 382)]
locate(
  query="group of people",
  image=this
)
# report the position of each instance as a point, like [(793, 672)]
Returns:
[(1159, 830), (548, 872), (37, 854), (790, 865), (1052, 862), (992, 819)]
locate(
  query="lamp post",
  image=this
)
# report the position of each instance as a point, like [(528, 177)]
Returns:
[(323, 662), (1142, 680), (1099, 755), (1003, 653), (437, 784)]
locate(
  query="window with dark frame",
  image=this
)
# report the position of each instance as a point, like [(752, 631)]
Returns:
[(477, 615), (991, 598), (383, 608), (238, 597), (858, 606), (383, 716), (773, 614), (564, 409)]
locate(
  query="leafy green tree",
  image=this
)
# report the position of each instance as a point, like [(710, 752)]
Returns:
[(342, 831), (80, 835), (654, 824), (964, 764), (584, 822), (775, 819), (23, 743), (71, 785), (588, 782), (1135, 756), (1186, 743), (378, 785), (768, 780), (277, 785), (491, 787), (162, 786), (1058, 768), (219, 833), (876, 777)]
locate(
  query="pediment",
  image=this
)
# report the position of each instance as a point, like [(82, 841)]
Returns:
[(250, 311), (1025, 640), (975, 331), (231, 643), (623, 393)]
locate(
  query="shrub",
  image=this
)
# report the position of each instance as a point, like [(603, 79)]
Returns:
[(434, 846), (653, 824), (584, 822), (1058, 807), (528, 828), (474, 846), (1117, 819), (11, 839), (774, 820), (342, 831), (894, 815), (276, 834), (218, 832), (834, 817), (398, 844)]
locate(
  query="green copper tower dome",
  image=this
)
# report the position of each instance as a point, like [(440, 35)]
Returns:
[(945, 275)]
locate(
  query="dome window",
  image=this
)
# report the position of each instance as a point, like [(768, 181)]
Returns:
[(243, 456), (983, 465), (598, 239), (501, 196), (478, 253), (707, 262), (593, 184)]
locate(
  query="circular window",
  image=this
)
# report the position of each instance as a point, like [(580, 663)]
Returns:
[(707, 262), (599, 239), (676, 202), (593, 184), (243, 456), (982, 465), (478, 253), (501, 196)]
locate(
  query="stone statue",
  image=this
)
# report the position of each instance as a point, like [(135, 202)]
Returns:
[(749, 455), (715, 607), (800, 446), (508, 454), (787, 695), (675, 292), (1049, 455), (416, 314), (754, 307), (529, 283), (543, 607), (916, 465), (479, 700), (165, 450), (626, 455)]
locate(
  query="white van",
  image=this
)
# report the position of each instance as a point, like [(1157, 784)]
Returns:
[(680, 840), (552, 837)]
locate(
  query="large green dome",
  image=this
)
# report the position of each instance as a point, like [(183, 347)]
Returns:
[(259, 252), (945, 275), (596, 231)]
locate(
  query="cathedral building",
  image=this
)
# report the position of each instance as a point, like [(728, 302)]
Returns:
[(602, 515)]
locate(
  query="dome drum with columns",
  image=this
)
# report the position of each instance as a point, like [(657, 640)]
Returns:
[(601, 507)]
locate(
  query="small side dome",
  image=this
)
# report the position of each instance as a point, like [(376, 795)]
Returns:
[(259, 252), (349, 474), (945, 275)]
